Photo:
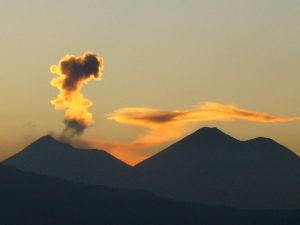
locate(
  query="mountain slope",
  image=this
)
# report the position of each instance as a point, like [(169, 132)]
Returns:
[(207, 166), (50, 157), (28, 199), (211, 167)]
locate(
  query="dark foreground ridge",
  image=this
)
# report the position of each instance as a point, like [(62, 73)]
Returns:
[(28, 199)]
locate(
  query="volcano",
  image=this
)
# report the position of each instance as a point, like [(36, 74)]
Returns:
[(47, 156), (212, 167)]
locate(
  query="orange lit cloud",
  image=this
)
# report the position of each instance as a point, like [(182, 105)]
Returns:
[(72, 73), (163, 126), (209, 111)]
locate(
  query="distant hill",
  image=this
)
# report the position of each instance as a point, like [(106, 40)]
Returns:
[(212, 167), (48, 156), (28, 199)]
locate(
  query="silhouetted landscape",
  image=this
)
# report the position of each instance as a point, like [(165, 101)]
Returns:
[(207, 177), (132, 112)]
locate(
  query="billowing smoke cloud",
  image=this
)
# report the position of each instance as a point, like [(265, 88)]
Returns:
[(73, 72), (164, 126)]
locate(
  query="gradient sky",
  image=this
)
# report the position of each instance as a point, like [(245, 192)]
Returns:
[(159, 54)]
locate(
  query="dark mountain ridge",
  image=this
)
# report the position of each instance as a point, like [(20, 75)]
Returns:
[(212, 167), (208, 166), (28, 199), (48, 156)]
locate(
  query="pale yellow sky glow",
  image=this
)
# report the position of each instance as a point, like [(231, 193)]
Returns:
[(162, 55)]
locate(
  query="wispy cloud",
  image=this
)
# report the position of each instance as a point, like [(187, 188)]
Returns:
[(163, 126)]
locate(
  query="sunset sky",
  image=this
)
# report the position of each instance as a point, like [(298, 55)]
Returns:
[(169, 56)]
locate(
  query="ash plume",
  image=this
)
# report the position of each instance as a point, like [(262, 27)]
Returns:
[(73, 72)]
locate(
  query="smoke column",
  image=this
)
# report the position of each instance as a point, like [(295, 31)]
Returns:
[(73, 72)]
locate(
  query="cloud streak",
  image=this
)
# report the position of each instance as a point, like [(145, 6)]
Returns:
[(163, 126), (208, 111)]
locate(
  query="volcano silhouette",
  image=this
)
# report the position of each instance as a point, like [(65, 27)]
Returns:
[(212, 167), (208, 166), (47, 156)]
